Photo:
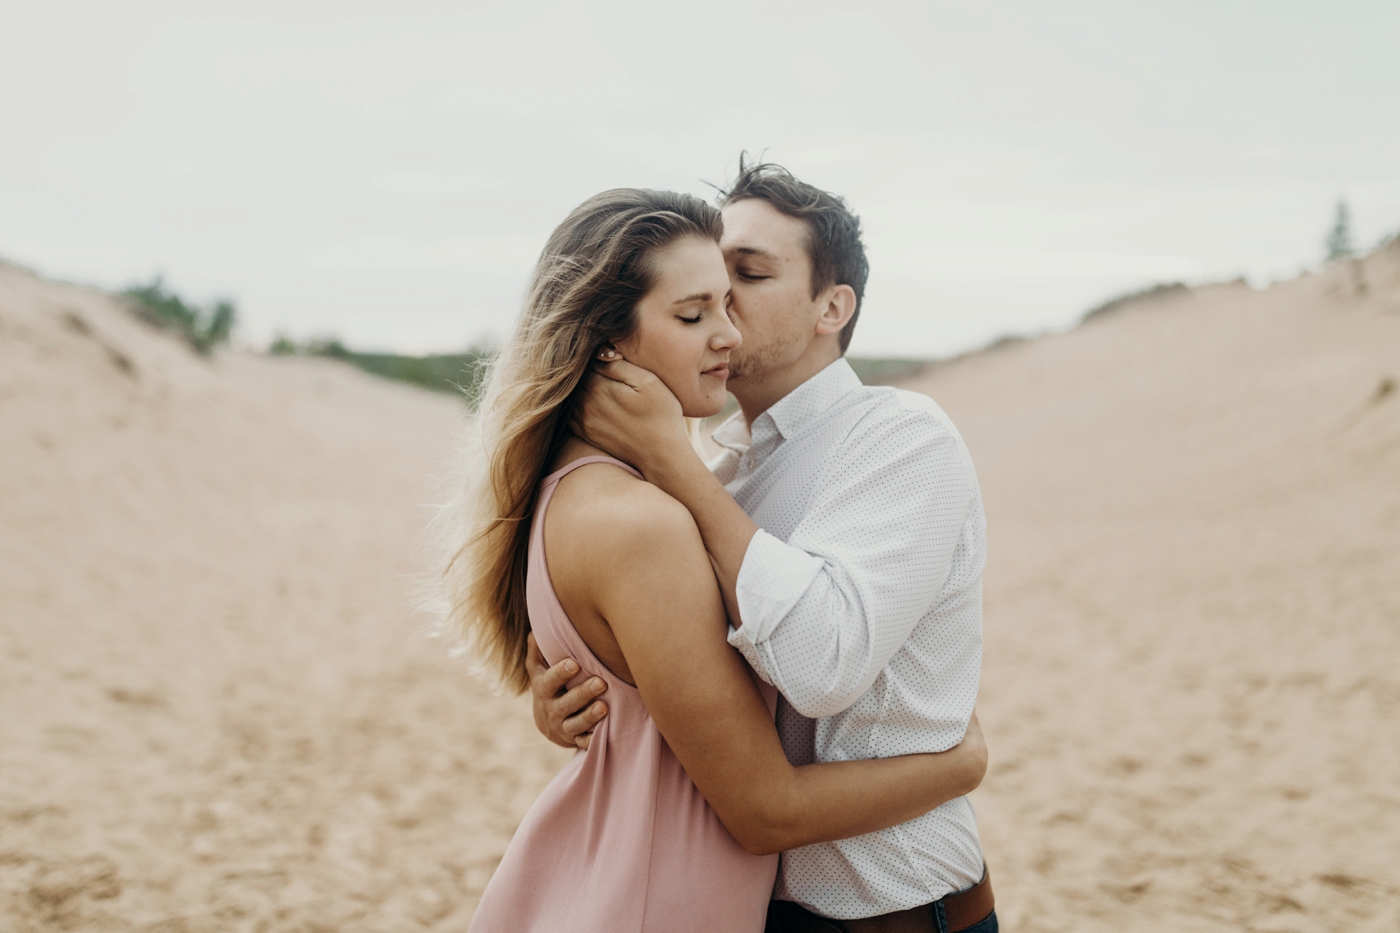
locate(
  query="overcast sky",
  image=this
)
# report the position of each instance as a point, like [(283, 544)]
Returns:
[(389, 172)]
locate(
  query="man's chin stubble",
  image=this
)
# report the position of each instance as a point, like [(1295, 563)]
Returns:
[(763, 361)]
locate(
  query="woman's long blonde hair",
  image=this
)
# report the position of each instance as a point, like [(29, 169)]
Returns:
[(583, 295)]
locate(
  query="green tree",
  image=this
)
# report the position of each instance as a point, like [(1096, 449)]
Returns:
[(1339, 240), (202, 329)]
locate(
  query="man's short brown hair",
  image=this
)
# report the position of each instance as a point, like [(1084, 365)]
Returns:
[(833, 232)]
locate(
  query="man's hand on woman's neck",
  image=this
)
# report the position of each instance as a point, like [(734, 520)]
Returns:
[(628, 412)]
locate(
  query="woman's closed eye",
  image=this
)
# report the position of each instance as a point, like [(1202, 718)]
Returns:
[(690, 320)]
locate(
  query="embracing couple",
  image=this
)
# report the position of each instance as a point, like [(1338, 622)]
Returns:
[(789, 639)]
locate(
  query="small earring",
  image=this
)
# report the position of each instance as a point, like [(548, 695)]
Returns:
[(607, 353)]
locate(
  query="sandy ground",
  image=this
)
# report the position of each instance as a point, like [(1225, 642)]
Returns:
[(1192, 676), (218, 713), (216, 710)]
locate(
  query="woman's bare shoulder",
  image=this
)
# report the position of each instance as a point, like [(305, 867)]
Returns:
[(621, 515)]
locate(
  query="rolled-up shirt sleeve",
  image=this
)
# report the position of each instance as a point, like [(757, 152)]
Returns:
[(823, 613)]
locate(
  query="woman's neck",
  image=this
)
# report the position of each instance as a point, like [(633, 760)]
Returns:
[(575, 448)]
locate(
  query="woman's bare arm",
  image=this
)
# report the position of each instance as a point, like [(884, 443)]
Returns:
[(649, 577)]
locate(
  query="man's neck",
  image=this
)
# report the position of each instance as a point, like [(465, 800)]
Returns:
[(761, 391)]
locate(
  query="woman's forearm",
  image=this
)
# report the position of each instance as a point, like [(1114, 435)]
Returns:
[(669, 623), (838, 800)]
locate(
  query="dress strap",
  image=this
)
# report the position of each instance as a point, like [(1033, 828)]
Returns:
[(559, 474)]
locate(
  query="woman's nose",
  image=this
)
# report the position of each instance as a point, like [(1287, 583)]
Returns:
[(727, 338)]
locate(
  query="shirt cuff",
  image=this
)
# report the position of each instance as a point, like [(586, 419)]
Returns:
[(772, 578)]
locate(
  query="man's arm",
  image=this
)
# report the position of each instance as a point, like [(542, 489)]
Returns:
[(825, 611), (725, 527), (645, 573), (845, 592), (565, 717), (629, 412)]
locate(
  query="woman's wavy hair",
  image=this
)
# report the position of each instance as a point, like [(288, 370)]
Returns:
[(583, 295)]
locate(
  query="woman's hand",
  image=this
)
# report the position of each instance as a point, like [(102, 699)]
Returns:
[(565, 717)]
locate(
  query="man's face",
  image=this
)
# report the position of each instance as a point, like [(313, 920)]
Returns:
[(770, 276)]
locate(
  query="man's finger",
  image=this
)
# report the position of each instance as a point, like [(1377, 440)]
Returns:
[(616, 370), (582, 740), (586, 720), (579, 697), (556, 678), (629, 374)]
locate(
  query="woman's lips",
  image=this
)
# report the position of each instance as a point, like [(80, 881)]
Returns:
[(719, 372)]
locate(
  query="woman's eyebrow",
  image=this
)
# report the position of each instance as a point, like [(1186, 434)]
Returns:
[(698, 296)]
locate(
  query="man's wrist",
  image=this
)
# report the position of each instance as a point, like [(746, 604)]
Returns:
[(671, 467)]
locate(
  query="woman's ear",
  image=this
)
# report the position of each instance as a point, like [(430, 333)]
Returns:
[(609, 353), (840, 306)]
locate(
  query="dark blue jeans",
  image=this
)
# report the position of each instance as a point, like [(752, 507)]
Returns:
[(786, 917)]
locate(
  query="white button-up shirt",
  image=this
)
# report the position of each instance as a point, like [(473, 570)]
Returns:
[(861, 601)]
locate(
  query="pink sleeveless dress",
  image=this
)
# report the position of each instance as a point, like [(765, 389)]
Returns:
[(621, 841)]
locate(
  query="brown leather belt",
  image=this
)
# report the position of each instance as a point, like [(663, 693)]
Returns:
[(961, 911)]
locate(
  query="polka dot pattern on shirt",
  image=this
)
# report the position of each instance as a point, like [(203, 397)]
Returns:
[(861, 600)]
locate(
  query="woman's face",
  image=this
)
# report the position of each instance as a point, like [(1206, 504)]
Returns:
[(683, 333)]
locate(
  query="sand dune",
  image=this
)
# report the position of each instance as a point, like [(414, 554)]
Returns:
[(1192, 677), (218, 713)]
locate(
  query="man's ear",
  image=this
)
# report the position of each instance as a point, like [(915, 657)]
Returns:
[(840, 306)]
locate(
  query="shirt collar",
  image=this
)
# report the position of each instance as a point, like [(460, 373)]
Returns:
[(793, 411), (733, 433), (813, 398)]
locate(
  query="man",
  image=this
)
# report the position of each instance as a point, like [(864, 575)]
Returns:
[(846, 530)]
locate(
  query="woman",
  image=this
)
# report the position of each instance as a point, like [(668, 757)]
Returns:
[(672, 818)]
